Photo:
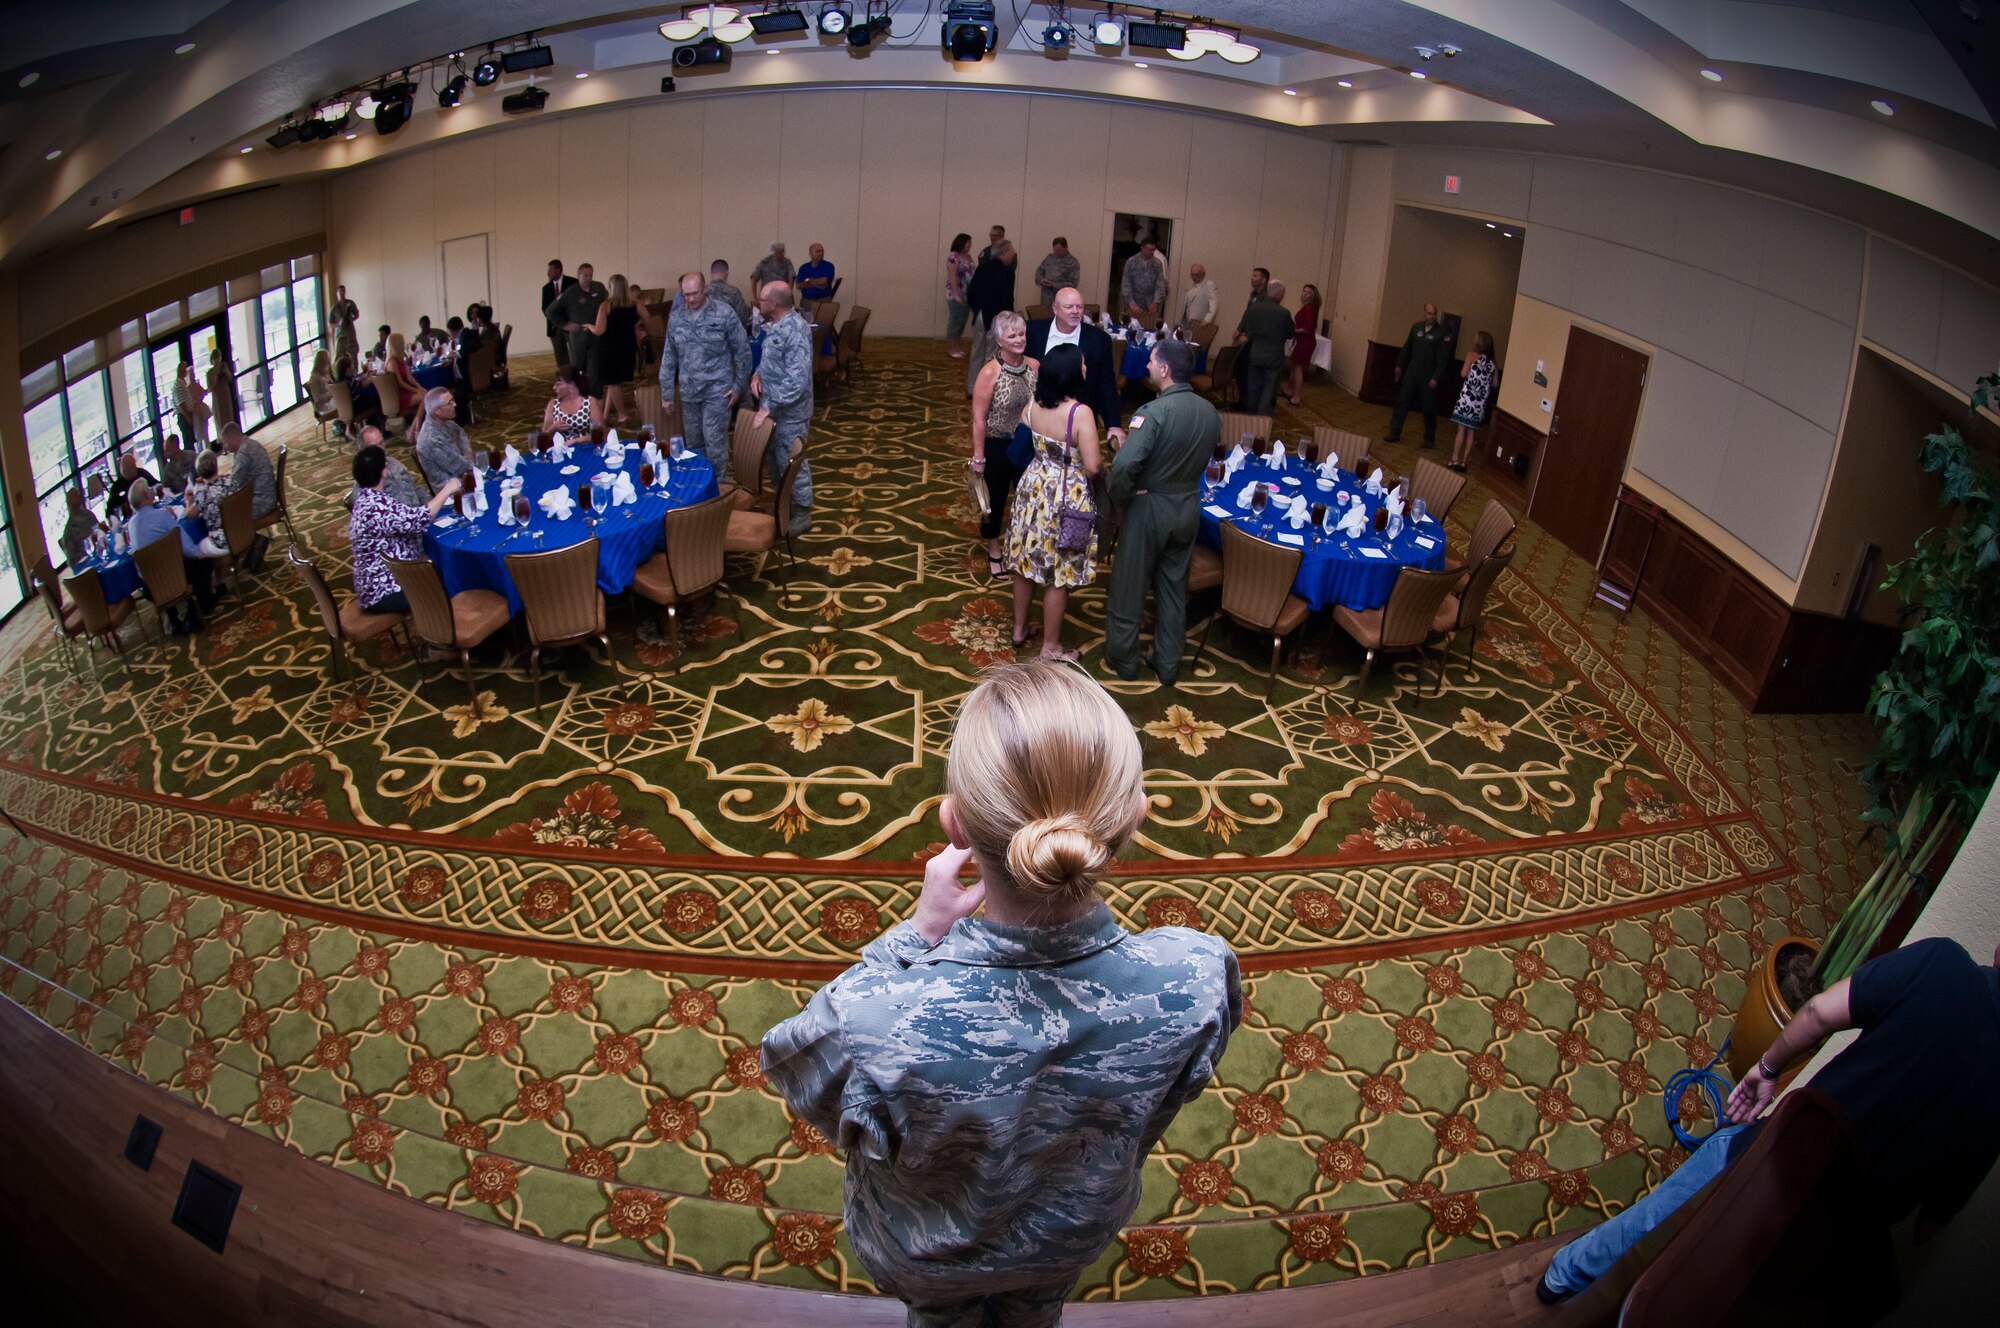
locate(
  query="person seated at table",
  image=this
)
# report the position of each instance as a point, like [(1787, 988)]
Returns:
[(76, 532), (397, 481), (1066, 459), (380, 350), (489, 335), (176, 465), (252, 470), (128, 472), (151, 522), (429, 338), (443, 450), (815, 276), (385, 527), (319, 387), (408, 390), (204, 503), (360, 388), (570, 412)]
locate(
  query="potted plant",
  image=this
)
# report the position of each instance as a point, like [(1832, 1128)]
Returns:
[(1936, 754)]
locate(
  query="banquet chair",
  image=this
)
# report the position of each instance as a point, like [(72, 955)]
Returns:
[(1235, 425), (454, 623), (1412, 617), (65, 618), (1118, 348), (1257, 578), (331, 412), (560, 601), (847, 348), (1202, 334), (283, 511), (348, 624), (748, 441), (761, 532), (343, 411), (1204, 568), (667, 423), (500, 357), (825, 313), (164, 576), (690, 565), (1221, 375), (1350, 447), (1466, 607), (1437, 486), (1034, 311), (1091, 311), (390, 395), (1496, 526), (479, 372), (239, 530), (826, 360), (101, 621)]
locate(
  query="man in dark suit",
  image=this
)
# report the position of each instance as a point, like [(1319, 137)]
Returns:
[(465, 345), (1425, 362), (551, 290), (1100, 376)]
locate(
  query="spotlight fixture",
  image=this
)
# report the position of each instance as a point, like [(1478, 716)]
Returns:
[(393, 107), (528, 57), (863, 34), (487, 72), (366, 106), (968, 30), (449, 94), (778, 22), (834, 18), (530, 98), (1056, 37), (1157, 35), (1108, 31), (702, 54)]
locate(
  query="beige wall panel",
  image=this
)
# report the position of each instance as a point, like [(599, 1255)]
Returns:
[(1289, 221), (411, 279), (1493, 183), (1623, 287), (1148, 174), (1968, 333), (1364, 249), (590, 197), (529, 234), (1719, 229), (900, 248), (984, 175), (1800, 360), (1548, 262), (1709, 319), (1905, 298), (1774, 475), (739, 190), (1229, 158), (819, 197), (663, 202), (1069, 148), (354, 241), (1540, 331), (1815, 261), (1682, 438), (468, 179)]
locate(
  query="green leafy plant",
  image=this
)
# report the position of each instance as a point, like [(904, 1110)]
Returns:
[(1938, 701)]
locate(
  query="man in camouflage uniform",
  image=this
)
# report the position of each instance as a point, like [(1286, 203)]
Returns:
[(1143, 290), (721, 288), (252, 470), (774, 266), (707, 354), (783, 385)]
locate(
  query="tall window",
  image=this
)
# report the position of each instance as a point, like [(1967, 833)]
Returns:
[(115, 395)]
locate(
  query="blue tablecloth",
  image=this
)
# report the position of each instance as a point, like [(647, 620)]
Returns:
[(120, 575), (473, 557), (1134, 363), (433, 375), (1335, 570)]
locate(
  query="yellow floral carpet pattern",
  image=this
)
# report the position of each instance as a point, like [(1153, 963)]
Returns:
[(517, 963)]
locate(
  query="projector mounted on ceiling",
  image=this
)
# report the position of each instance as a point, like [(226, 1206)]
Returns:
[(530, 98)]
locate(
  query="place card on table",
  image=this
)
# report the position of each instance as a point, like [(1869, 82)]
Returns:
[(1425, 542), (1296, 541), (1370, 551), (1219, 513)]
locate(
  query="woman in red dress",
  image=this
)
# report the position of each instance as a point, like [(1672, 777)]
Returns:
[(1305, 328)]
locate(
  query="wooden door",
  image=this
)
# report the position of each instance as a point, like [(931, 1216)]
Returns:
[(1589, 439)]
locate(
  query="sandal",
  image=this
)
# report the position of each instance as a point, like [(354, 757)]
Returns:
[(1034, 631), (995, 567), (1062, 656)]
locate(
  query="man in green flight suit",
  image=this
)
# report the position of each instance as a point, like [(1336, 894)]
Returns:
[(1155, 478), (1420, 370)]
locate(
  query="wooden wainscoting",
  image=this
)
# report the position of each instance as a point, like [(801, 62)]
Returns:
[(1512, 473), (1775, 658), (1378, 375)]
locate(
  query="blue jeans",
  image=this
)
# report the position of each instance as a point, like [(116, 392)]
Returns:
[(1586, 1258)]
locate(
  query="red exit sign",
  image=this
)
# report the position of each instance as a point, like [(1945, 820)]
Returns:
[(1451, 183), (187, 216)]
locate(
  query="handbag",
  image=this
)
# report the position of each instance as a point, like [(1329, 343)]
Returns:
[(975, 483), (1021, 447), (1075, 522)]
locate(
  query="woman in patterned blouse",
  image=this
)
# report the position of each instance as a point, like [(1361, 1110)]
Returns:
[(997, 1082), (382, 527), (1475, 399)]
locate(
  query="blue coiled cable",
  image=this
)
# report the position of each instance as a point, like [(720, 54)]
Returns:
[(1710, 1083)]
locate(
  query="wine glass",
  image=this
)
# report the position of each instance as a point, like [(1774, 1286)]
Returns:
[(583, 496), (544, 440), (521, 508), (1258, 501), (645, 474), (495, 458), (676, 447), (1312, 452), (1244, 441), (1213, 475), (1218, 452)]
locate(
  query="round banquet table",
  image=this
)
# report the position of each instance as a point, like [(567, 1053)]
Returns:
[(119, 574), (435, 374), (1357, 573), (1134, 363), (472, 555)]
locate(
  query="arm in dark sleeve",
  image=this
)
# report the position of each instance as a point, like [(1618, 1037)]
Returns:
[(1129, 462), (1409, 348), (1103, 386)]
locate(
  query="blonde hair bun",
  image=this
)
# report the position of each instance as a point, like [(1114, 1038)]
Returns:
[(1057, 855)]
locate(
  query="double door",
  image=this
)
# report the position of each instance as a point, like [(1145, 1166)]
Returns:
[(199, 344)]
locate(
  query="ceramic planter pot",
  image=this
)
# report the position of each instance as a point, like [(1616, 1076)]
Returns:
[(1764, 1010)]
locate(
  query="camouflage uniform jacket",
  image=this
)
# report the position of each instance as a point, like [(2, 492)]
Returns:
[(705, 354), (786, 371), (997, 1094), (252, 470)]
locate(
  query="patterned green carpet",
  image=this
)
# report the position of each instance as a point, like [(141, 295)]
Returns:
[(517, 963)]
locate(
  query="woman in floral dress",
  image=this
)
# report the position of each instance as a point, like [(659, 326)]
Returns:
[(1066, 458), (1473, 399)]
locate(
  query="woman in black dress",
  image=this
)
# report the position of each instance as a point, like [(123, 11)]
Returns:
[(618, 332)]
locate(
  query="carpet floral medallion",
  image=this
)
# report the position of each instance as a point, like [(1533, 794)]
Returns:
[(516, 962)]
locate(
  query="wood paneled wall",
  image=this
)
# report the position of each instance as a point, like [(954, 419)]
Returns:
[(882, 177)]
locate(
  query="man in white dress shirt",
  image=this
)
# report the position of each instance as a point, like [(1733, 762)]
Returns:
[(1198, 305)]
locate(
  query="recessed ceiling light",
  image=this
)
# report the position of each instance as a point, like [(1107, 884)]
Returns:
[(1882, 107), (1291, 92), (29, 79), (350, 136), (1491, 227), (183, 48), (1140, 64), (1712, 75), (1346, 82), (771, 50), (52, 154), (583, 73), (1508, 234), (246, 149), (1418, 73)]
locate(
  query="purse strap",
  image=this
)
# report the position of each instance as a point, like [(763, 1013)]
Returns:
[(1069, 432)]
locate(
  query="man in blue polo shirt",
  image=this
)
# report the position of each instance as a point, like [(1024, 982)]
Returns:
[(1917, 1086), (149, 523), (816, 277)]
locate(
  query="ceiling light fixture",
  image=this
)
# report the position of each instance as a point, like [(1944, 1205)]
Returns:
[(863, 34), (1418, 73), (583, 73), (1712, 75), (394, 104), (723, 22), (487, 72), (1140, 64), (183, 48), (968, 31), (448, 95), (1491, 227), (350, 135), (1883, 107), (778, 22), (834, 18), (1508, 234), (530, 98), (1346, 82), (1291, 92), (52, 154), (29, 79), (246, 149), (1108, 31)]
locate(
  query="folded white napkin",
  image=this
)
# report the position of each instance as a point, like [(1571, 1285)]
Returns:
[(650, 454), (479, 499), (1375, 480), (511, 463), (1329, 469), (622, 491), (614, 453), (557, 503), (1394, 502), (559, 439), (1300, 513), (611, 437), (1277, 456), (1356, 521), (1238, 456), (1243, 495)]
